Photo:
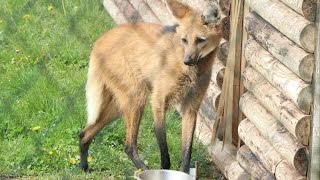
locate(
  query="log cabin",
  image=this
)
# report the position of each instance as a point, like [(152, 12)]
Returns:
[(260, 116)]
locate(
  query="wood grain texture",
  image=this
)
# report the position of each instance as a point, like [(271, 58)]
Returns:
[(223, 51), (145, 12), (279, 137), (217, 73), (203, 130), (286, 51), (296, 28), (206, 112), (259, 145), (279, 76), (114, 12), (267, 154), (160, 10), (297, 123), (307, 8), (252, 165), (131, 14), (285, 171), (225, 159), (314, 171), (212, 96)]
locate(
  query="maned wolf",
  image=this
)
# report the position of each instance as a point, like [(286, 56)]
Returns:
[(132, 60)]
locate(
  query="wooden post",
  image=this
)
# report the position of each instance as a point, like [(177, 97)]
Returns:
[(250, 163), (233, 74), (297, 123), (307, 8), (279, 75), (114, 12), (279, 137), (314, 167), (287, 52), (287, 21)]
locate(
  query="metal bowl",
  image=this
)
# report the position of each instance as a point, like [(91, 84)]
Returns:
[(162, 174)]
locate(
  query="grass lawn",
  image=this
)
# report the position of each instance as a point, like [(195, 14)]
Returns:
[(44, 50)]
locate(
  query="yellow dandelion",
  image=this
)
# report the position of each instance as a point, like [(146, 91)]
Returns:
[(26, 17), (50, 153), (72, 161), (36, 128), (50, 8), (89, 158)]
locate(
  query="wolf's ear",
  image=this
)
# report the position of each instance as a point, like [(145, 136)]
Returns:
[(177, 9), (211, 15)]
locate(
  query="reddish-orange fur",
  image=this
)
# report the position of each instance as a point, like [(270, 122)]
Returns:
[(132, 60)]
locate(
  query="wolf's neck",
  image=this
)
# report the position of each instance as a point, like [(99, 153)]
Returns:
[(205, 64)]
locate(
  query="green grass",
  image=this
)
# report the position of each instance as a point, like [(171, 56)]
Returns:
[(44, 50)]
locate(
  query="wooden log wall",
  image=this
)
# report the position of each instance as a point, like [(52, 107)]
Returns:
[(277, 77)]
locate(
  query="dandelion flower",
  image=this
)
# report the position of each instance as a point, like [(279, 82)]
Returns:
[(72, 161), (26, 17), (50, 8), (89, 159), (36, 128)]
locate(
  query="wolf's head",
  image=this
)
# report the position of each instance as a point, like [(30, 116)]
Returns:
[(199, 31)]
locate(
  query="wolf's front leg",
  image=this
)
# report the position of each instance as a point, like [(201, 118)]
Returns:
[(159, 109), (188, 127)]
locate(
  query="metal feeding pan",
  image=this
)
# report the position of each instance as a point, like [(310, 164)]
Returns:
[(162, 174)]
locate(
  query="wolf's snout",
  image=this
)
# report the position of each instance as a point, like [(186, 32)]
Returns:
[(188, 61)]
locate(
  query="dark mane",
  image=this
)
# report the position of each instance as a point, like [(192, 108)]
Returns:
[(169, 29)]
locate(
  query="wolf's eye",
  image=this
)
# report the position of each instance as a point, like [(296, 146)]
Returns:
[(184, 40), (200, 40)]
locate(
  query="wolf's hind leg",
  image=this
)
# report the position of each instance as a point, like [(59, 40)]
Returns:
[(107, 112)]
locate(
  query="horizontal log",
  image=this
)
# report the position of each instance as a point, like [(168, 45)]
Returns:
[(287, 52), (224, 158), (251, 164), (160, 10), (296, 28), (307, 8), (217, 72), (131, 14), (297, 123), (223, 51), (145, 12), (262, 148), (114, 12), (197, 5), (278, 75), (203, 131), (207, 112), (280, 138), (286, 171), (259, 145)]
